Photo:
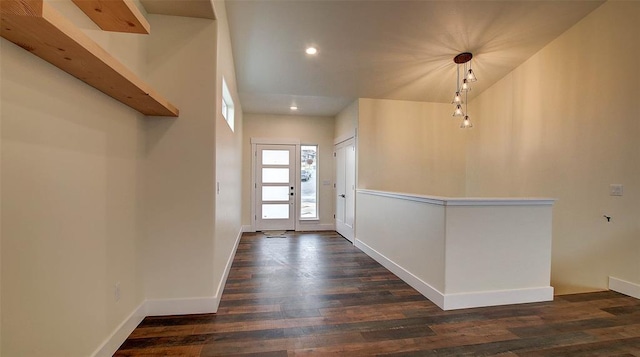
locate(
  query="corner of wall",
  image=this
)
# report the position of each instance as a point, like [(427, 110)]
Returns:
[(121, 332), (228, 157)]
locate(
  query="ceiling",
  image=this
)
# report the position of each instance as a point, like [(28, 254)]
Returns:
[(381, 49), (189, 8)]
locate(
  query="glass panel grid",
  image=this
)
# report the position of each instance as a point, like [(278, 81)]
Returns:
[(275, 193), (275, 211), (275, 157), (275, 175)]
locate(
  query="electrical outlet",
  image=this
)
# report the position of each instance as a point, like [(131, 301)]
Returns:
[(616, 190), (116, 291)]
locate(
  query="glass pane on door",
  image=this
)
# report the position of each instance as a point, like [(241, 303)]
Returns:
[(275, 157), (270, 175), (275, 211), (275, 193)]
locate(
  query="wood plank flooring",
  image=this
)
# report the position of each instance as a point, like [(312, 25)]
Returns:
[(316, 294)]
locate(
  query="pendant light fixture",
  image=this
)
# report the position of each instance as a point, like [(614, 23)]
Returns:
[(463, 87)]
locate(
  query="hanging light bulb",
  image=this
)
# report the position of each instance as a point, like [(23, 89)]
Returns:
[(465, 86), (458, 111), (466, 123), (457, 99), (471, 77)]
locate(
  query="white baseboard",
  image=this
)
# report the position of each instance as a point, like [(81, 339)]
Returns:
[(302, 227), (315, 227), (227, 268), (423, 288), (163, 307), (498, 297), (460, 300), (120, 334), (624, 287), (152, 308)]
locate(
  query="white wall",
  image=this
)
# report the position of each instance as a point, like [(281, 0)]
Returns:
[(346, 121), (460, 252), (418, 142), (310, 130), (96, 194), (407, 232), (497, 247), (180, 161), (1, 85), (70, 192), (565, 124), (228, 209)]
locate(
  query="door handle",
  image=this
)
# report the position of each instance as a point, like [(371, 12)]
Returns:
[(343, 195)]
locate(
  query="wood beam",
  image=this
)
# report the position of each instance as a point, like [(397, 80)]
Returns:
[(39, 29), (115, 15)]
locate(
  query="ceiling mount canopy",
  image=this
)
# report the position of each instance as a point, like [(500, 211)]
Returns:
[(464, 57)]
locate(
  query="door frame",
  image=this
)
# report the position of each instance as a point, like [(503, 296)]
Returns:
[(274, 141), (340, 141)]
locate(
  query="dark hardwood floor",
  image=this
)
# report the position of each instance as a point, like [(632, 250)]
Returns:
[(310, 294)]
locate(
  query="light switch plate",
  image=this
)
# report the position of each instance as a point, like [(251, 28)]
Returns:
[(616, 190)]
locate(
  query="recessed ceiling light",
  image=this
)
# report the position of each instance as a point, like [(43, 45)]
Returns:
[(311, 50), (293, 107)]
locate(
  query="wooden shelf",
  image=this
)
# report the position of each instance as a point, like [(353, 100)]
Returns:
[(115, 15), (39, 29)]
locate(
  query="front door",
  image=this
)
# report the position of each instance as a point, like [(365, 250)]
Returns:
[(345, 188), (275, 187)]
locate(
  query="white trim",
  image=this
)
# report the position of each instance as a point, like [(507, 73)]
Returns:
[(306, 226), (460, 300), (624, 287), (227, 268), (182, 306), (434, 200), (345, 137), (480, 201), (275, 141), (498, 297), (254, 217), (462, 201), (423, 288), (120, 333)]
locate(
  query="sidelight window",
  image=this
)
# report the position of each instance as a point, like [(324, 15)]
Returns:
[(309, 182), (227, 105)]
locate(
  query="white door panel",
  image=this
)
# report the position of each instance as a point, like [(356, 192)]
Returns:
[(345, 188), (275, 187)]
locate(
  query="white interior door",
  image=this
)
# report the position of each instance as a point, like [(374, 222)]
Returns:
[(275, 187), (345, 188)]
